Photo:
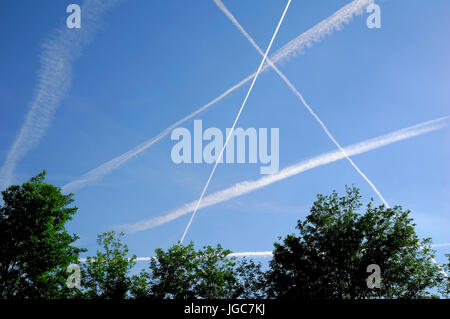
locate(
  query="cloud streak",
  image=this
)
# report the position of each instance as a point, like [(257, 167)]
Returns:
[(298, 45), (246, 187), (59, 52)]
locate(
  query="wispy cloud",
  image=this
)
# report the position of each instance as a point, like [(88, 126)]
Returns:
[(246, 187), (295, 46), (54, 79)]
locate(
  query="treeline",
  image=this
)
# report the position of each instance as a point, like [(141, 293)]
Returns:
[(181, 272), (327, 258)]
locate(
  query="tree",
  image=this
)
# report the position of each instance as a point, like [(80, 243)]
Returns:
[(181, 272), (107, 275), (35, 247), (336, 244), (251, 280), (445, 287)]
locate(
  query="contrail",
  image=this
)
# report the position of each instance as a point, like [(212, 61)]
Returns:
[(225, 10), (255, 254), (334, 22), (252, 254), (54, 79), (246, 187), (319, 31), (262, 254), (219, 158), (270, 253)]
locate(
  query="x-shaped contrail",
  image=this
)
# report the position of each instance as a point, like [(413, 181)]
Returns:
[(225, 10), (230, 134), (305, 40)]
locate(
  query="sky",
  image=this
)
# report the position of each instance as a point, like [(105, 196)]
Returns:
[(135, 67)]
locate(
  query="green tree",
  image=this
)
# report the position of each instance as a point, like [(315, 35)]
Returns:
[(251, 280), (107, 275), (181, 272), (140, 286), (445, 287), (330, 256), (35, 247)]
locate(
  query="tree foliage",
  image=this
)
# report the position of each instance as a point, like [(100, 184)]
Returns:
[(330, 255), (327, 259), (107, 275), (35, 247), (182, 272)]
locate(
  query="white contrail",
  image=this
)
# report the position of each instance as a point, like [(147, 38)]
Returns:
[(225, 10), (297, 93), (299, 44), (54, 78), (254, 254), (219, 158), (319, 31), (246, 187)]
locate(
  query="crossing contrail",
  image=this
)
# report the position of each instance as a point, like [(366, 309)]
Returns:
[(334, 22), (246, 187), (54, 78), (225, 10), (219, 158)]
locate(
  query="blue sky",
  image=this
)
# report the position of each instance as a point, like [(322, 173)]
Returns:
[(151, 63)]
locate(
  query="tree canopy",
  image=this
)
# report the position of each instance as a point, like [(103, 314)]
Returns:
[(182, 272), (328, 258), (335, 245), (107, 274), (35, 247)]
